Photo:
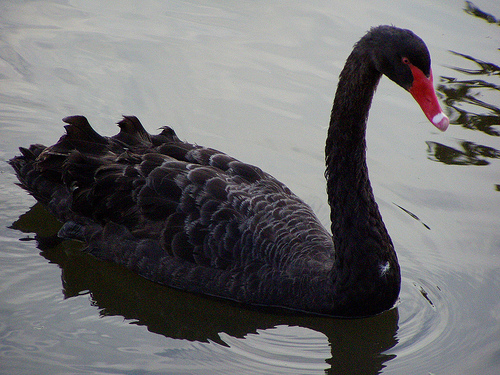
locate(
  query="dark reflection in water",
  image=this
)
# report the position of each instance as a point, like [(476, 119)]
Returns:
[(357, 346), (473, 10), (468, 154), (462, 97), (458, 93), (459, 96)]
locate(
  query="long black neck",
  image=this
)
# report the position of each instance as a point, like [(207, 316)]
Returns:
[(363, 248)]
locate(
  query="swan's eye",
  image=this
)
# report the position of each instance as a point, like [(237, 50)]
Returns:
[(405, 60)]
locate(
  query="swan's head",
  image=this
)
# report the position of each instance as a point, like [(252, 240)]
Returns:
[(403, 57)]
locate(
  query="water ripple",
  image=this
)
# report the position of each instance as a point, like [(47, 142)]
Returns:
[(282, 349), (279, 350)]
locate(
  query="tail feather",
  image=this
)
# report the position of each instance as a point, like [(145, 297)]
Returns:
[(79, 129), (132, 133), (25, 166)]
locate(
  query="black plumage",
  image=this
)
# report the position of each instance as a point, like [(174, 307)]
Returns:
[(197, 219)]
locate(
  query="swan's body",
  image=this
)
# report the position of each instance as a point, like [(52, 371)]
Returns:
[(196, 219)]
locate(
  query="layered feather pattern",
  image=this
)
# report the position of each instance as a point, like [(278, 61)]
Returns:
[(179, 214)]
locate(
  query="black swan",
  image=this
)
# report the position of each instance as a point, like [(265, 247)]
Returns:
[(197, 219)]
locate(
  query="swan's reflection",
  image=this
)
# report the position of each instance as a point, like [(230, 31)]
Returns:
[(357, 346)]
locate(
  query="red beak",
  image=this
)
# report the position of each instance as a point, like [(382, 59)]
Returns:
[(423, 92)]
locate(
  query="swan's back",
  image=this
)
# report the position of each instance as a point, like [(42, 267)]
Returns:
[(179, 214)]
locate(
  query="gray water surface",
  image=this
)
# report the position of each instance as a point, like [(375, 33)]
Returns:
[(255, 80)]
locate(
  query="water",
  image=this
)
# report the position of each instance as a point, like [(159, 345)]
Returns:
[(255, 80)]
